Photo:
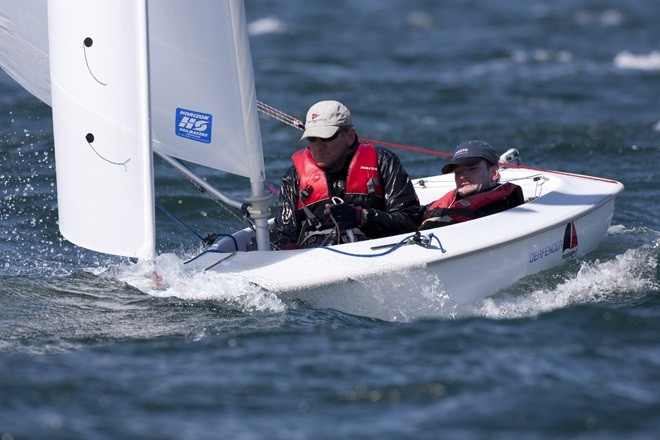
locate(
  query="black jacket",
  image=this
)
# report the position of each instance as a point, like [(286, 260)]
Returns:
[(396, 212)]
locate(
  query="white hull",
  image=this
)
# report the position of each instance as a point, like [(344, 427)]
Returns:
[(481, 257)]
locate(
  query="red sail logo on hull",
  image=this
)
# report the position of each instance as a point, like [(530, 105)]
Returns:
[(570, 246)]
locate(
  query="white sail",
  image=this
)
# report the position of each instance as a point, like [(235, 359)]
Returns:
[(202, 103), (24, 45), (99, 87), (195, 46), (200, 63), (203, 97)]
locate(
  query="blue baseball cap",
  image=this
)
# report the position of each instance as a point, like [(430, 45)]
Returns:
[(470, 153)]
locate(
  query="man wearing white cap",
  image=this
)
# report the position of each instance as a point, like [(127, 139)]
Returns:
[(339, 189), (478, 192)]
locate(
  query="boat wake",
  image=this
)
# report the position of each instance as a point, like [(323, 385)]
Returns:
[(169, 278), (618, 281)]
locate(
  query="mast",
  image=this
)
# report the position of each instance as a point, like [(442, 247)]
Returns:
[(149, 247), (258, 200)]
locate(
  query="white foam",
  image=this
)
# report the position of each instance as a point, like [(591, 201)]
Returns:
[(628, 274), (267, 25), (400, 296), (609, 17), (420, 19), (542, 56), (628, 60), (171, 279)]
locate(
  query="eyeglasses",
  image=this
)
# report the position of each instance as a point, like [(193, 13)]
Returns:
[(312, 139)]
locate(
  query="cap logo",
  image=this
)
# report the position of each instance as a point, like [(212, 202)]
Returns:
[(461, 151)]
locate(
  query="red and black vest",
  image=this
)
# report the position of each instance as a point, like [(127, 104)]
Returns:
[(363, 180), (363, 187), (448, 210)]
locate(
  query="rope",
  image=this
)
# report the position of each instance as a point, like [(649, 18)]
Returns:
[(562, 173), (173, 217), (208, 240), (415, 238), (405, 147), (296, 123), (280, 115)]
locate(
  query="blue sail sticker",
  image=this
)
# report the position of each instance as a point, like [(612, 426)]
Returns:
[(193, 125)]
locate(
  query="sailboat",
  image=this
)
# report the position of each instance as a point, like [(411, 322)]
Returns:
[(130, 79)]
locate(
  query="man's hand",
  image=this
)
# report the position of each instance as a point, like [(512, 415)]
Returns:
[(347, 216)]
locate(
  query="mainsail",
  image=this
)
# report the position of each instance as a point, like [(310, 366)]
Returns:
[(24, 45), (128, 76)]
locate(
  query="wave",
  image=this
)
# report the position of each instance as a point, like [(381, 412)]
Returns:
[(617, 281), (173, 280), (628, 60), (267, 25)]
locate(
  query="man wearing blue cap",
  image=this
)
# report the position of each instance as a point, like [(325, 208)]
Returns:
[(478, 192)]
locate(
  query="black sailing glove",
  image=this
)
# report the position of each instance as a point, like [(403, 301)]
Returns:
[(347, 216)]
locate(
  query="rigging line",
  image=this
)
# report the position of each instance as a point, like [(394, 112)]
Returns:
[(173, 217), (405, 240), (208, 240), (406, 147), (563, 173), (235, 212), (296, 123), (279, 115)]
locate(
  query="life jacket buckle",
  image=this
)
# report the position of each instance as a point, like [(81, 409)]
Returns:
[(306, 192)]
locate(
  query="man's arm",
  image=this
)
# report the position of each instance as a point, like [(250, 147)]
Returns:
[(401, 203), (286, 227)]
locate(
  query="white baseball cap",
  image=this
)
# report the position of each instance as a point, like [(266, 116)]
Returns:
[(326, 117)]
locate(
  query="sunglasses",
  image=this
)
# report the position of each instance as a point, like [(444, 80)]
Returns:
[(312, 139)]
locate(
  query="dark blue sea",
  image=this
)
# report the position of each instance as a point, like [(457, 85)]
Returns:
[(571, 353)]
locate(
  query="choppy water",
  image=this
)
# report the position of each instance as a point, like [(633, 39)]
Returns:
[(569, 353)]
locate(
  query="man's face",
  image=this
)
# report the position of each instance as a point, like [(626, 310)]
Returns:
[(330, 153), (475, 178)]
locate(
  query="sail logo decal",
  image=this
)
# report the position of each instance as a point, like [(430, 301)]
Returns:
[(568, 246), (193, 125)]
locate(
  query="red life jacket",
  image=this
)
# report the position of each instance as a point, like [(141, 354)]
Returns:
[(363, 177), (467, 208)]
